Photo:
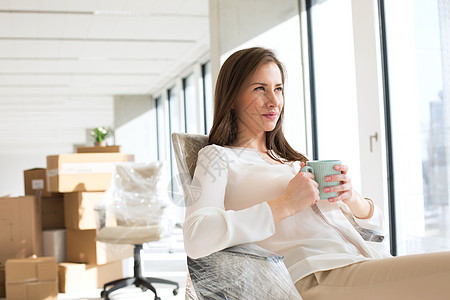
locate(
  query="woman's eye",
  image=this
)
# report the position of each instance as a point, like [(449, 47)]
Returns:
[(259, 88), (279, 89)]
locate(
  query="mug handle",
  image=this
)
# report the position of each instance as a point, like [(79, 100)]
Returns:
[(307, 169)]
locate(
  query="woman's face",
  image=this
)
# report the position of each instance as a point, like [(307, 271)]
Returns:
[(260, 102)]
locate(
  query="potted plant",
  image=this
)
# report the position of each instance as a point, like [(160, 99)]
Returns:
[(99, 134)]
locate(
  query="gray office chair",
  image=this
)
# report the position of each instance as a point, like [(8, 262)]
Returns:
[(242, 272), (136, 210)]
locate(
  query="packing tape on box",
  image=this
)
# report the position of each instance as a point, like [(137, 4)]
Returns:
[(82, 168)]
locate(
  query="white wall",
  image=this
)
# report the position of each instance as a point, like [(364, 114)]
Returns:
[(135, 126), (33, 127)]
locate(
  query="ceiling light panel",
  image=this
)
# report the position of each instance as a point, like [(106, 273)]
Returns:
[(83, 66)]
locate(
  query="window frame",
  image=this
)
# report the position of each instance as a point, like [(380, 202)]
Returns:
[(371, 115)]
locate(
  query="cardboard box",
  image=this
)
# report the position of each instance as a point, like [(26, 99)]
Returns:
[(79, 209), (82, 171), (20, 228), (47, 290), (75, 277), (2, 283), (52, 204), (99, 149), (31, 269), (54, 244), (31, 278), (83, 248), (52, 210), (35, 182)]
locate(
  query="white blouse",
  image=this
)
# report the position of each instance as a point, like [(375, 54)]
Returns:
[(229, 194)]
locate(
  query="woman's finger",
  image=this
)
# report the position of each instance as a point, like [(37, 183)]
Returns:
[(343, 168), (338, 188), (302, 165), (338, 177), (342, 197)]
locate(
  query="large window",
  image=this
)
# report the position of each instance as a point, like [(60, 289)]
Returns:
[(180, 108), (191, 109), (207, 96), (379, 94), (417, 49), (160, 128), (334, 76), (175, 125)]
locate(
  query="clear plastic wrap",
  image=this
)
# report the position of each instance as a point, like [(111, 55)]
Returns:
[(136, 208), (186, 147), (241, 272)]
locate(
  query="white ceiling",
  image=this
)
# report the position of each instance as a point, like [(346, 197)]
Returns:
[(97, 47)]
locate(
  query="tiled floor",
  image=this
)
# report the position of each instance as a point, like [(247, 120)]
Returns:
[(164, 293)]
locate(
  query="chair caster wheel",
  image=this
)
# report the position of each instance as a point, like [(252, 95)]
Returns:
[(102, 295), (157, 298), (144, 289), (175, 292)]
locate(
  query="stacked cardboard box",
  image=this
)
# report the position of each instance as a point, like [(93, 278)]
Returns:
[(52, 213), (57, 212), (2, 283), (67, 173), (31, 279), (20, 228), (20, 231), (74, 277), (52, 208), (83, 178), (79, 209)]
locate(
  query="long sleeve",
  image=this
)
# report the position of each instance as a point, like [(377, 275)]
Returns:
[(373, 223), (208, 227)]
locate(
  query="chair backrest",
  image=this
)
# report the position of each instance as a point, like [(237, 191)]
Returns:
[(186, 147), (139, 193), (136, 208)]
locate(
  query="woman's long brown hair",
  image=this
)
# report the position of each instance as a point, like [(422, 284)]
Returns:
[(232, 76)]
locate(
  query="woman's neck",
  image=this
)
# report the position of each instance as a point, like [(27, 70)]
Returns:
[(255, 142)]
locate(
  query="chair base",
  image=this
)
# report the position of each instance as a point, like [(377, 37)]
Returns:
[(145, 283)]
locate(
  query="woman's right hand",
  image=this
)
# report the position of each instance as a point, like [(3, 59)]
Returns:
[(301, 193)]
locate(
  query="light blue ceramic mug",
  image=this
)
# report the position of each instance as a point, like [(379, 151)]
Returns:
[(321, 169)]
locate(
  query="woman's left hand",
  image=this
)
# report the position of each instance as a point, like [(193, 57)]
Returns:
[(345, 189), (359, 206)]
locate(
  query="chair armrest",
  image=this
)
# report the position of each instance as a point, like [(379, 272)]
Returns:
[(241, 272), (369, 235)]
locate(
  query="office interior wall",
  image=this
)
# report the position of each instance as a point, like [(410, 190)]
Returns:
[(33, 127), (135, 126)]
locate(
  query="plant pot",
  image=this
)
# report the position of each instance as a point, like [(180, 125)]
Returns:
[(100, 144)]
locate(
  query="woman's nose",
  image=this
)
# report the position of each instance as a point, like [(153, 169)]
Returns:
[(272, 99)]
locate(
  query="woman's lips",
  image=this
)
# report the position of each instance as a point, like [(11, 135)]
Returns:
[(271, 116)]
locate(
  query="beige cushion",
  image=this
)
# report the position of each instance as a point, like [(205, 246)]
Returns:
[(132, 234)]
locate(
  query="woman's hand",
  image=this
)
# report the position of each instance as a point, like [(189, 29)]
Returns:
[(301, 193), (345, 189), (359, 206)]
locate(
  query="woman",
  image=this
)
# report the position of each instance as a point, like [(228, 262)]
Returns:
[(253, 192)]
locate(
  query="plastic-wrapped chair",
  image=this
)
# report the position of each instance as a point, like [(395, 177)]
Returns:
[(241, 272), (136, 210)]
